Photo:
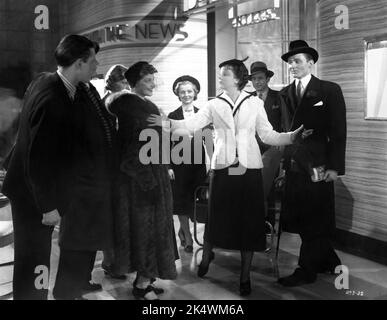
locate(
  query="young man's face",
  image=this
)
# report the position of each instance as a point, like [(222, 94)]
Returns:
[(299, 66), (260, 81), (88, 68)]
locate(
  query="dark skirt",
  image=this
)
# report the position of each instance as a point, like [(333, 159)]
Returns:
[(187, 178), (236, 211)]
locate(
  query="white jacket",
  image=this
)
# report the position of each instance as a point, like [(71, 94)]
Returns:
[(235, 135)]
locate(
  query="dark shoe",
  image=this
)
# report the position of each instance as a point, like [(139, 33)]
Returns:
[(245, 288), (141, 293), (156, 290), (181, 237), (329, 269), (203, 269), (91, 286), (188, 248), (298, 278)]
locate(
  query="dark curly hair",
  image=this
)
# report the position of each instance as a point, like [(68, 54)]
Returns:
[(137, 71)]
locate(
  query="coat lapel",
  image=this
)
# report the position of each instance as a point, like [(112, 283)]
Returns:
[(270, 100), (62, 89), (312, 92), (179, 113)]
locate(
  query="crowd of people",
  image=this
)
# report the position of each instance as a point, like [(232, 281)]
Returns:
[(78, 162)]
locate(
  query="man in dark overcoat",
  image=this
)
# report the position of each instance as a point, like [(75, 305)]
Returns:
[(313, 164), (88, 224), (43, 177)]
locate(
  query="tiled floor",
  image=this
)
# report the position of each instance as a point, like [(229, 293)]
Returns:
[(367, 280)]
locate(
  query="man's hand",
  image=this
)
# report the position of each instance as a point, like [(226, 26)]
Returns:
[(171, 174), (330, 175), (306, 133), (296, 134), (51, 218)]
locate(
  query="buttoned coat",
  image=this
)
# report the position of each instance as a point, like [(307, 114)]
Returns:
[(308, 207)]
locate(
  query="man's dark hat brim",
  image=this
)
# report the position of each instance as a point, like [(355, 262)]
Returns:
[(194, 81), (268, 72), (300, 46)]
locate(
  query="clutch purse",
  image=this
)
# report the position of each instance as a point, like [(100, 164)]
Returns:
[(317, 173)]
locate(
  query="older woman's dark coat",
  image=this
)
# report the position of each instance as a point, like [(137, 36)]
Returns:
[(144, 230)]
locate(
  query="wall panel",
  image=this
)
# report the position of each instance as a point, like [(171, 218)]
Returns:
[(361, 195)]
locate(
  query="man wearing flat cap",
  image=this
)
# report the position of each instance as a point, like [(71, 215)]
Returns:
[(313, 164), (260, 77)]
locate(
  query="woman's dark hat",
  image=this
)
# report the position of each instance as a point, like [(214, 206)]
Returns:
[(260, 66), (233, 62), (299, 46), (194, 81)]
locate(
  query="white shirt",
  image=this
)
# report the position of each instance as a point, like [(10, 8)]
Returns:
[(234, 135), (304, 82), (187, 113)]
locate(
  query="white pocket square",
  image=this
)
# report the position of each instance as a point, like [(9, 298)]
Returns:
[(320, 103)]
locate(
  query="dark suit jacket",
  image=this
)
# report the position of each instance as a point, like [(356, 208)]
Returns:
[(326, 146), (88, 222), (273, 110), (38, 169)]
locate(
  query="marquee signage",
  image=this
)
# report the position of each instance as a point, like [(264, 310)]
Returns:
[(256, 17), (148, 31)]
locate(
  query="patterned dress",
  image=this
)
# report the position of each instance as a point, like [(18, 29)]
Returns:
[(145, 237)]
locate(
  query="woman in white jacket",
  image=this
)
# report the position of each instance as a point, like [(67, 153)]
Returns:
[(236, 205)]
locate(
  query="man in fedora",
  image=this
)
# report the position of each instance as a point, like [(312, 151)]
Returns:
[(313, 164), (271, 156)]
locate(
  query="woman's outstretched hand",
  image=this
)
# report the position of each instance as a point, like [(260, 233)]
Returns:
[(156, 120)]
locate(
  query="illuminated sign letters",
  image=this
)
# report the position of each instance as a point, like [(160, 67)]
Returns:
[(144, 31)]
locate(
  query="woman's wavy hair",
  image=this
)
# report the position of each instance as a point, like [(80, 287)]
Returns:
[(114, 75)]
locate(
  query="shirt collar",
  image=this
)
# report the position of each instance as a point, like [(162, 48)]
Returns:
[(71, 89), (242, 95), (304, 81), (190, 109)]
